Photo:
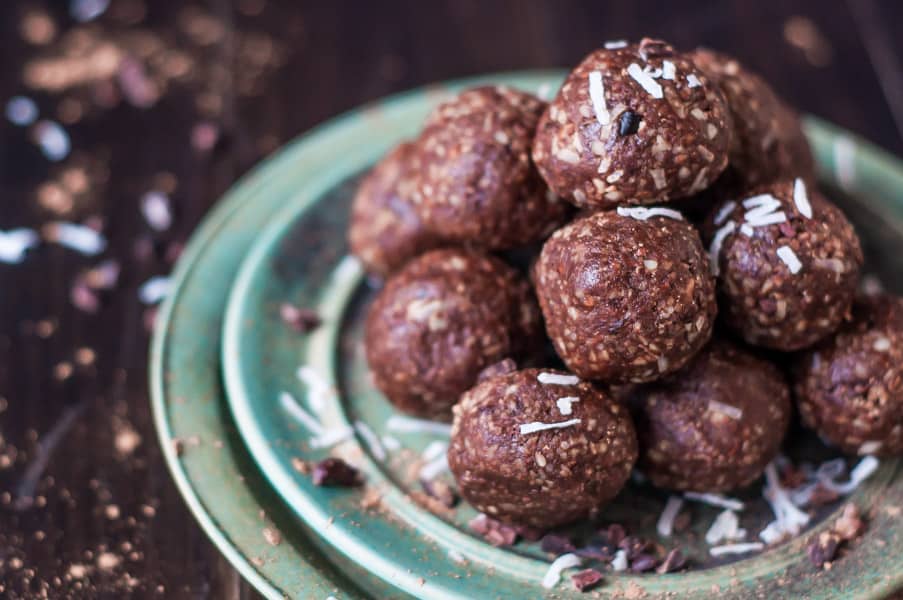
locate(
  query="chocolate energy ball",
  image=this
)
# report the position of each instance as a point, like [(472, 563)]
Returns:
[(539, 447), (788, 264), (638, 124), (385, 231), (440, 320), (850, 388), (627, 296), (714, 426), (768, 143), (477, 181)]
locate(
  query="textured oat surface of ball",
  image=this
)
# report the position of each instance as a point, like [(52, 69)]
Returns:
[(788, 264), (575, 453), (640, 124), (625, 299), (768, 143), (385, 230), (850, 388), (715, 425), (440, 320), (477, 182)]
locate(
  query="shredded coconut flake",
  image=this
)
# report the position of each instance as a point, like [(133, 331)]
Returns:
[(331, 437), (789, 258), (724, 212), (291, 406), (15, 243), (882, 344), (726, 409), (726, 526), (769, 219), (615, 44), (74, 236), (844, 151), (717, 242), (348, 269), (619, 562), (869, 447), (403, 424), (747, 230), (641, 213), (760, 200), (52, 139), (789, 519), (319, 391), (801, 198), (156, 210), (693, 81), (544, 91), (535, 426), (665, 525), (390, 443), (862, 471), (564, 404), (597, 95), (736, 548), (154, 290), (643, 78), (553, 575), (432, 469), (376, 449), (435, 449), (715, 500), (21, 111), (557, 379), (668, 70)]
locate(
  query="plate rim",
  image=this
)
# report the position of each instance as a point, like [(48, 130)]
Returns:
[(228, 208)]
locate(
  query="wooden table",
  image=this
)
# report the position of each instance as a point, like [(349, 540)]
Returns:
[(182, 99)]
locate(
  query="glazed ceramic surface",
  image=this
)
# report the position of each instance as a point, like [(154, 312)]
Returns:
[(285, 225)]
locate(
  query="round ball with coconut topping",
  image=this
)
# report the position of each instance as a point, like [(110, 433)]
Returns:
[(787, 262), (639, 124), (627, 295), (850, 388), (697, 433), (385, 231), (477, 183), (442, 319), (539, 447), (768, 143)]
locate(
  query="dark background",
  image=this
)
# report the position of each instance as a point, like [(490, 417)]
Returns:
[(197, 93)]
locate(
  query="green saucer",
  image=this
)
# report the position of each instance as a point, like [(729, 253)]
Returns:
[(297, 205)]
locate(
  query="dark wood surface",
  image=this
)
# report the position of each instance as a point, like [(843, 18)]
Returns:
[(87, 508)]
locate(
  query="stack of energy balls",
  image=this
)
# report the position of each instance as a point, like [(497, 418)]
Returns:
[(658, 191)]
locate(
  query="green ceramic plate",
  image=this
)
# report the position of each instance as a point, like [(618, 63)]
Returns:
[(399, 549)]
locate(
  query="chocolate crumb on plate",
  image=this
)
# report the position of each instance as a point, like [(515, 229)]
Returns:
[(302, 320), (335, 472), (674, 561), (556, 544), (822, 549), (441, 491), (586, 579)]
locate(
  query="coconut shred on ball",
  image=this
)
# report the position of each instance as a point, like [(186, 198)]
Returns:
[(639, 124), (440, 320), (385, 231), (539, 447), (477, 183), (627, 295), (768, 143), (787, 262), (850, 388), (714, 426)]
